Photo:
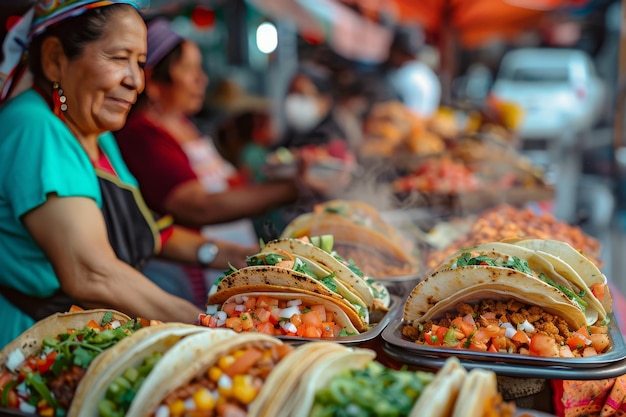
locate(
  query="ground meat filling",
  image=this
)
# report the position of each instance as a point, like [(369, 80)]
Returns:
[(490, 312)]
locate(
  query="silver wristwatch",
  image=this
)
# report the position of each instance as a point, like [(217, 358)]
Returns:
[(207, 252)]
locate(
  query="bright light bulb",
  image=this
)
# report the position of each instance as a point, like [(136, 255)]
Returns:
[(266, 38)]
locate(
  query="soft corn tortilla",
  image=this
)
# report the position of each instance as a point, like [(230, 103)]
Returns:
[(540, 263), (30, 341), (439, 396), (443, 289), (478, 388), (586, 270), (207, 357), (317, 377), (277, 279), (139, 346), (343, 274)]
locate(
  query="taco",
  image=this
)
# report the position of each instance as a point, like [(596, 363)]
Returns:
[(279, 279), (440, 395), (535, 264), (487, 310), (57, 355), (585, 269), (232, 375), (290, 313), (479, 397), (360, 234), (111, 392)]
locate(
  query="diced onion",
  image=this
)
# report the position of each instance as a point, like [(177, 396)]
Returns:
[(190, 404), (289, 311), (506, 325), (220, 322), (115, 324), (244, 298), (162, 411), (221, 315), (240, 307), (296, 302), (15, 359), (27, 408), (526, 326), (212, 309), (225, 382), (509, 332), (289, 327), (239, 299)]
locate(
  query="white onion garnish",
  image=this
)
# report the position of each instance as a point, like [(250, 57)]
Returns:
[(221, 315), (244, 298), (509, 332), (296, 302), (526, 326), (286, 313), (240, 307), (220, 323), (162, 411), (289, 327), (239, 299), (506, 325), (225, 382), (190, 404), (115, 324), (27, 408), (15, 359), (212, 309)]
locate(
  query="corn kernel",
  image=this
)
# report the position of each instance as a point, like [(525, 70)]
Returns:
[(225, 361), (47, 412), (203, 399), (214, 373), (243, 391), (177, 408), (239, 353)]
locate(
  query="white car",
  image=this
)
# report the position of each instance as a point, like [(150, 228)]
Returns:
[(558, 89)]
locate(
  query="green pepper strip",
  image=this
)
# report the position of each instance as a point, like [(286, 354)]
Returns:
[(40, 387), (5, 392)]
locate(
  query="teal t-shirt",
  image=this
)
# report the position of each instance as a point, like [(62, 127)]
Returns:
[(38, 156)]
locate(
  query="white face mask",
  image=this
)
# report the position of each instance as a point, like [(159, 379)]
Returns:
[(302, 112)]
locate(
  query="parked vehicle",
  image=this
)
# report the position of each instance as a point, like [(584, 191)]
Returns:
[(558, 89)]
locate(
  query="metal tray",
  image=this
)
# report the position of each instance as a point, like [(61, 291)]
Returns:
[(377, 329), (606, 365)]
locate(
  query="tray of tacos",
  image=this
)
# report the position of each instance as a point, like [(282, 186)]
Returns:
[(300, 291), (531, 307)]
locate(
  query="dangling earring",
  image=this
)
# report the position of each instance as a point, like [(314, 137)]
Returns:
[(59, 104)]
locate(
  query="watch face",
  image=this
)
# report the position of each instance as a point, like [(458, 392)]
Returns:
[(207, 253)]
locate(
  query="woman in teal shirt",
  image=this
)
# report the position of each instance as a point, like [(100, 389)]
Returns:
[(73, 227)]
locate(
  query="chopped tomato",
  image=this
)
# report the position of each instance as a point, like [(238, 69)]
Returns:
[(584, 330), (440, 332), (520, 336), (577, 341), (432, 339), (499, 342), (589, 351), (275, 315), (262, 314), (598, 329), (229, 308), (94, 325), (265, 327), (492, 348), (296, 319), (543, 345), (312, 319), (328, 329), (600, 341), (250, 303), (465, 327), (246, 321), (244, 362), (311, 331), (75, 308), (598, 290), (234, 323), (11, 395), (266, 301), (477, 345), (44, 364), (321, 310)]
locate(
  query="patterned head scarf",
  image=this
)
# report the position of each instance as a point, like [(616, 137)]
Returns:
[(37, 19)]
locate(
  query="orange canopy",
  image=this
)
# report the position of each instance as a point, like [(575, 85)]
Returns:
[(474, 21)]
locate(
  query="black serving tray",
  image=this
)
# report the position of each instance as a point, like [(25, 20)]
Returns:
[(373, 332), (606, 365)]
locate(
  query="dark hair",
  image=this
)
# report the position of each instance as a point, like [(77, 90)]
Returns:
[(161, 72), (74, 33)]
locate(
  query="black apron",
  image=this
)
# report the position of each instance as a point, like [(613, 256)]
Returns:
[(133, 234)]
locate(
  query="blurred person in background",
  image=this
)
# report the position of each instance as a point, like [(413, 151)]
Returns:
[(178, 168), (414, 82), (73, 226)]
